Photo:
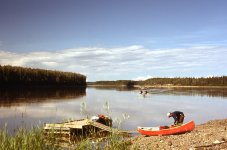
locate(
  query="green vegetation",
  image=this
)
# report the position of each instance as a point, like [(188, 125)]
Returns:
[(127, 83), (111, 142), (209, 81), (38, 140), (19, 76), (23, 140)]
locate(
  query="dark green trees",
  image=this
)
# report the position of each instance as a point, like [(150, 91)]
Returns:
[(19, 76), (209, 81), (177, 81)]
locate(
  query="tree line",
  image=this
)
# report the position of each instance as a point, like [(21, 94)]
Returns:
[(128, 83), (209, 81), (20, 76)]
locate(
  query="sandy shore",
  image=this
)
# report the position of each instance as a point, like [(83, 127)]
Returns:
[(209, 136)]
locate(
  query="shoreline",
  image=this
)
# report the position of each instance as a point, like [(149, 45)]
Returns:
[(209, 135), (154, 86), (178, 86)]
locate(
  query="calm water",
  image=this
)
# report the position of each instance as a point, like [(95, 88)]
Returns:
[(21, 107)]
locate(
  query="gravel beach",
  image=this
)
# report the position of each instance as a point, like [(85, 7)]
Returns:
[(208, 136)]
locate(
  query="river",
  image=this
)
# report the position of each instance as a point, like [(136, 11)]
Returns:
[(34, 107)]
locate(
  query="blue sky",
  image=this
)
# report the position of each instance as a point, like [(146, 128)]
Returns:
[(112, 40)]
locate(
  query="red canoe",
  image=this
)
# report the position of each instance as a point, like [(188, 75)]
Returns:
[(154, 131)]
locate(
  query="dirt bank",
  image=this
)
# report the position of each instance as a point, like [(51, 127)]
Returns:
[(211, 135)]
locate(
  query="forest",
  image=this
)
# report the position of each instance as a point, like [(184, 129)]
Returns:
[(19, 76), (209, 81), (177, 81), (128, 83)]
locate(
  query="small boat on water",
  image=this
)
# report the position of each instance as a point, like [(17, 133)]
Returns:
[(166, 130)]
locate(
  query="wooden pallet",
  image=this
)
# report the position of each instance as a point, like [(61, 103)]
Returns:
[(80, 128)]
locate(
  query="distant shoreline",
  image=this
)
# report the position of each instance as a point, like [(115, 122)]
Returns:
[(178, 86), (154, 86)]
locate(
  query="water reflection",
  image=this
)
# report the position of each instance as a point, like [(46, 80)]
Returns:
[(211, 92), (19, 96), (206, 91), (31, 106)]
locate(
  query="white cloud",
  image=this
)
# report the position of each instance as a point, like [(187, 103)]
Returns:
[(142, 78), (125, 62)]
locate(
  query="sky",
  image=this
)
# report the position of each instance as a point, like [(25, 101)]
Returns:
[(115, 39)]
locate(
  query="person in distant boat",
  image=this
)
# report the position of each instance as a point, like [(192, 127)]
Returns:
[(141, 92), (178, 117)]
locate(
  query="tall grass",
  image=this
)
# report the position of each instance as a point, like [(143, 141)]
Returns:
[(27, 140), (113, 141), (36, 140)]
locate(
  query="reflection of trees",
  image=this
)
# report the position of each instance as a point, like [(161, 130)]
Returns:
[(211, 92), (11, 96)]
